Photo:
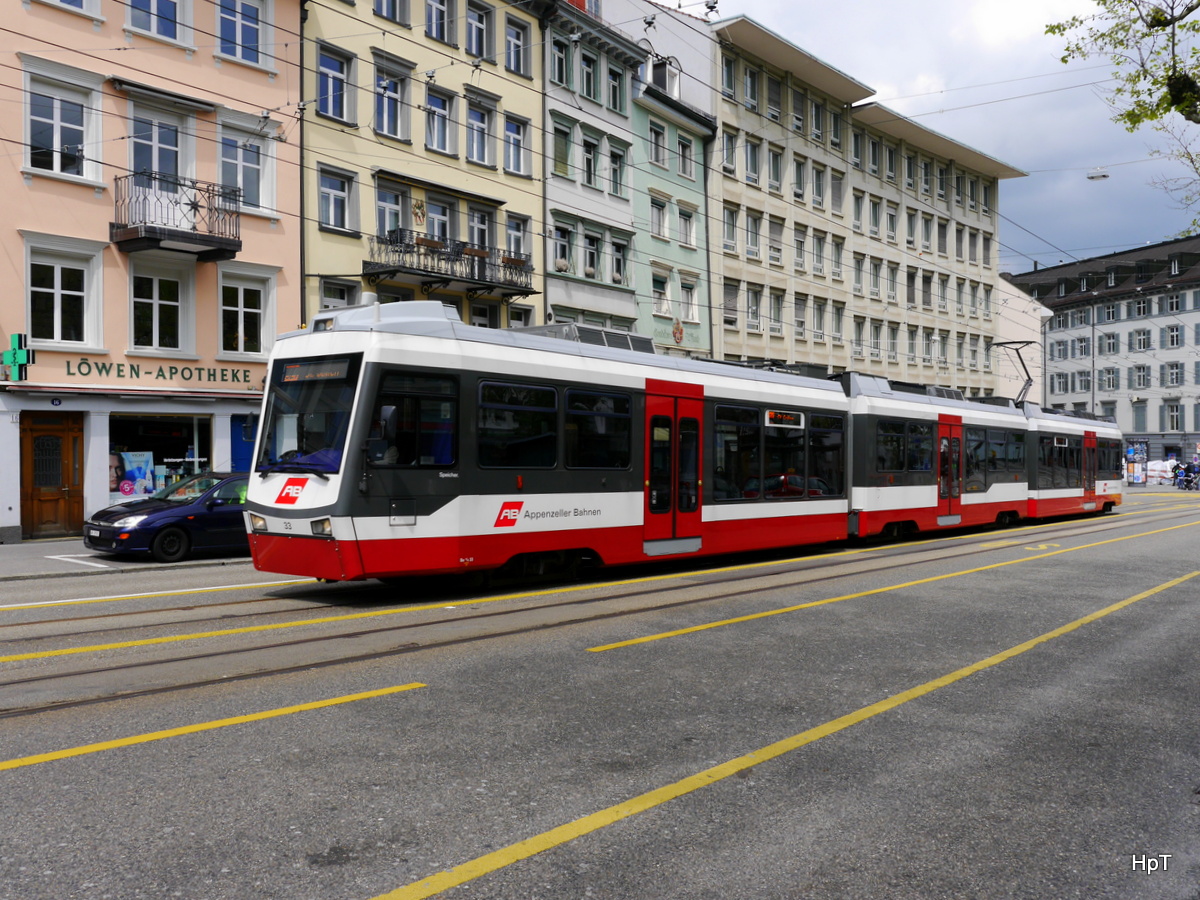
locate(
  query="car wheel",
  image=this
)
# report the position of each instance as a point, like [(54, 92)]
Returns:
[(170, 545)]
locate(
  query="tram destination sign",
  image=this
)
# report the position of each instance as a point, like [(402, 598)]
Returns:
[(316, 371)]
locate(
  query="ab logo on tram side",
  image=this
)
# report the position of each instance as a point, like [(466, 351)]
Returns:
[(509, 513)]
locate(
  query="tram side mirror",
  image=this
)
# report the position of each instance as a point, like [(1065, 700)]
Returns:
[(389, 421)]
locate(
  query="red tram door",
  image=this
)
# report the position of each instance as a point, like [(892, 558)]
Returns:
[(673, 465), (949, 469), (1089, 469)]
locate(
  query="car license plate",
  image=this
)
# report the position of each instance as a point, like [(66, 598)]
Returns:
[(93, 532)]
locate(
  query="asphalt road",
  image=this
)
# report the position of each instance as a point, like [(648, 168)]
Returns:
[(1002, 715)]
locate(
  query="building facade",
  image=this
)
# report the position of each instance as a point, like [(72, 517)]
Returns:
[(152, 242), (1120, 339), (850, 236), (422, 163), (591, 232)]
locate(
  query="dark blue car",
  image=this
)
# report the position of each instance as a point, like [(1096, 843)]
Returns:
[(201, 513)]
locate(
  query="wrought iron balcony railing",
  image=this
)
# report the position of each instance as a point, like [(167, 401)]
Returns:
[(196, 215), (417, 253)]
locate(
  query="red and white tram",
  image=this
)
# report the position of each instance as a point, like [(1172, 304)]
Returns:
[(395, 440)]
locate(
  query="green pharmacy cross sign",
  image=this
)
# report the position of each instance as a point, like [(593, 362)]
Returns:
[(18, 357)]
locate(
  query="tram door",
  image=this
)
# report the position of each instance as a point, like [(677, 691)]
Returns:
[(1089, 467), (949, 469), (673, 466)]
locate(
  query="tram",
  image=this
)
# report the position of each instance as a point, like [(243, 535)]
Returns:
[(394, 440)]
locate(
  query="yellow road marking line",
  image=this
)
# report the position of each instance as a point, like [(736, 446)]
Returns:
[(555, 837), (155, 594), (201, 726), (883, 590)]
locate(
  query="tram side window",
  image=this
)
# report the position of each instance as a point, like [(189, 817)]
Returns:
[(826, 443), (975, 460), (414, 422), (784, 476), (920, 447), (517, 426), (598, 430), (736, 436), (1074, 462), (889, 446), (1015, 452)]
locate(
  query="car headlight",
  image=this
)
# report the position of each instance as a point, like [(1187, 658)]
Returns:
[(257, 522), (127, 523)]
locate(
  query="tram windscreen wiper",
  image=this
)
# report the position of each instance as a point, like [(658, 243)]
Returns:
[(292, 467)]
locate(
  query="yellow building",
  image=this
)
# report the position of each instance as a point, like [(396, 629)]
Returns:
[(421, 178)]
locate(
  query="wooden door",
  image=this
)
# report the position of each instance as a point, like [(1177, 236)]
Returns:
[(51, 474)]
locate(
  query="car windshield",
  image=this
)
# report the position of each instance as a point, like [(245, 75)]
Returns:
[(307, 414), (189, 489)]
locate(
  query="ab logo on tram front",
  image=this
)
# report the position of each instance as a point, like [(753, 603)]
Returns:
[(290, 492)]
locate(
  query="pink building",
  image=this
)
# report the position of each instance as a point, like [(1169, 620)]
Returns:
[(149, 242)]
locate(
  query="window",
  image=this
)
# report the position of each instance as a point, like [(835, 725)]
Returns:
[(616, 89), (438, 110), (774, 169), (589, 85), (391, 104), (658, 144), (417, 417), (591, 255), (1110, 344), (1174, 335), (730, 228), (658, 218), (1139, 377), (1140, 339), (562, 150), (616, 171), (516, 47), (687, 227), (1173, 374), (754, 307), (158, 308), (515, 231), (240, 29), (560, 62), (562, 239), (517, 426), (752, 161), (243, 163), (728, 76), (334, 200), (479, 139), (798, 177), (729, 152), (440, 220), (391, 203), (818, 183), (479, 30), (661, 295), (620, 258), (687, 302), (753, 232), (243, 312), (157, 17), (63, 292), (686, 157), (56, 129), (333, 75), (599, 432), (438, 18), (750, 88)]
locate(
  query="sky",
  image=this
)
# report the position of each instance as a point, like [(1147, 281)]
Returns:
[(984, 73)]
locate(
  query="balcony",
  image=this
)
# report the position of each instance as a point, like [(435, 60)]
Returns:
[(156, 211), (445, 263)]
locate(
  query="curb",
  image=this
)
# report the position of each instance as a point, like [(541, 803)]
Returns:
[(196, 564)]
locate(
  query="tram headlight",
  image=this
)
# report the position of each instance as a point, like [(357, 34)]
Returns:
[(257, 522), (322, 527)]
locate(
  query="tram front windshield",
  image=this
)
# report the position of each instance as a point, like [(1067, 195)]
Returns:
[(307, 415)]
